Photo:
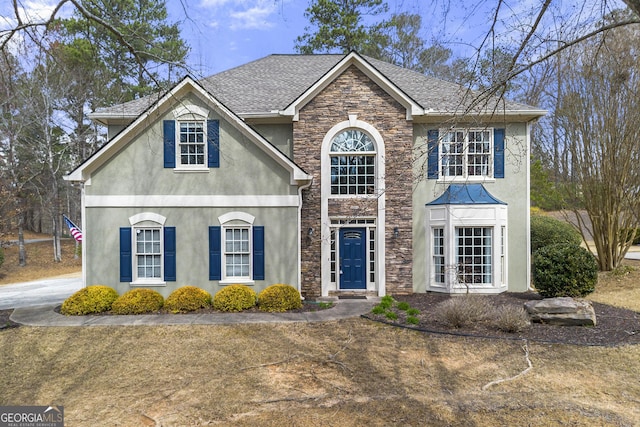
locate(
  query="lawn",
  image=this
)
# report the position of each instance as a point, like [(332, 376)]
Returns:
[(346, 373)]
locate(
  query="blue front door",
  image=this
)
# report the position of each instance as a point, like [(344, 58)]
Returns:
[(353, 258)]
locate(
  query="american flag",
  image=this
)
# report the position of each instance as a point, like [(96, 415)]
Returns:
[(75, 231)]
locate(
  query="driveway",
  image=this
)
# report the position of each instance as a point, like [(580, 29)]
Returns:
[(39, 292)]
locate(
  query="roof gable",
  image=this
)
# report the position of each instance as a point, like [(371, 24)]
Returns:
[(83, 172), (353, 59)]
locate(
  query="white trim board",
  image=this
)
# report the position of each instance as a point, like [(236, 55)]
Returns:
[(143, 201)]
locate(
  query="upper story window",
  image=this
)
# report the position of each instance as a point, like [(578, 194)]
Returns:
[(191, 141), (353, 163), (466, 153), (192, 149)]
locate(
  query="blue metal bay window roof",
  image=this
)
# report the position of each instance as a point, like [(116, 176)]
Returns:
[(466, 194)]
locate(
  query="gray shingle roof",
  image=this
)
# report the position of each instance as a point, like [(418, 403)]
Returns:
[(275, 81)]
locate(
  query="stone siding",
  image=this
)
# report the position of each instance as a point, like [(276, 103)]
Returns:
[(354, 93)]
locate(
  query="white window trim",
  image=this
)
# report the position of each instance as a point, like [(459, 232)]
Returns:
[(465, 177), (236, 220), (325, 190), (150, 281), (204, 167), (451, 217)]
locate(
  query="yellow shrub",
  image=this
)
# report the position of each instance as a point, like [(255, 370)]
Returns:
[(138, 301), (279, 298), (234, 298), (187, 298), (92, 299)]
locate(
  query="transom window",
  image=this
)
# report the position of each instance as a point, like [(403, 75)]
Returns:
[(353, 157), (148, 253), (237, 252), (474, 254), (192, 143), (466, 153)]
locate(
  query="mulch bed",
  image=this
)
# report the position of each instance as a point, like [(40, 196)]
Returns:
[(615, 326)]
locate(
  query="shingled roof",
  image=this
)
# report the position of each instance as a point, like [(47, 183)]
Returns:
[(272, 83)]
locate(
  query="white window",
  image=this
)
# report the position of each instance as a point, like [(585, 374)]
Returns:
[(353, 163), (474, 255), (192, 147), (466, 153), (148, 253), (438, 255), (237, 252)]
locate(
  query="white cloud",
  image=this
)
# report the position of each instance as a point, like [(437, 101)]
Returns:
[(254, 18), (243, 14)]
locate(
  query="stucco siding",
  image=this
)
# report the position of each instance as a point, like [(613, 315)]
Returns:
[(192, 263), (139, 168), (513, 190)]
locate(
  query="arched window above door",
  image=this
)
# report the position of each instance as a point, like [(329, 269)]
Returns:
[(353, 163)]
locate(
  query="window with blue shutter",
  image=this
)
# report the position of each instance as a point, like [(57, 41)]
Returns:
[(215, 253), (432, 153), (258, 253), (213, 143), (170, 254), (126, 269), (498, 153), (169, 136)]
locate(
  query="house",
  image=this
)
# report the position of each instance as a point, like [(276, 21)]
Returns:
[(333, 173)]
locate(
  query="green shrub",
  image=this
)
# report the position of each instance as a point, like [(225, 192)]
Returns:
[(378, 309), (546, 231), (564, 270), (412, 320), (461, 311), (92, 299), (187, 298), (391, 315), (235, 298), (386, 301), (279, 298), (413, 312), (138, 301), (511, 319), (403, 305)]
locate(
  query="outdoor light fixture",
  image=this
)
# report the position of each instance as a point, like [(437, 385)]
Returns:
[(396, 232), (310, 232)]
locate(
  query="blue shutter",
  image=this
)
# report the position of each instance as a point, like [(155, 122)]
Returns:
[(169, 136), (498, 153), (126, 269), (258, 253), (215, 253), (170, 254), (213, 142), (432, 153)]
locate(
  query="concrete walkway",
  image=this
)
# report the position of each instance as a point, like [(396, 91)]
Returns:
[(44, 315)]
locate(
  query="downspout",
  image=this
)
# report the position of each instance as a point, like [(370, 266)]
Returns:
[(83, 216), (300, 233), (528, 213)]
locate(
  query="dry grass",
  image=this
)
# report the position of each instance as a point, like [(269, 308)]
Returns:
[(40, 262), (346, 373), (621, 289)]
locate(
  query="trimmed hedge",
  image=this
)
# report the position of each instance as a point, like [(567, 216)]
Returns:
[(235, 298), (546, 231), (187, 298), (92, 299), (564, 270), (138, 301), (279, 298)]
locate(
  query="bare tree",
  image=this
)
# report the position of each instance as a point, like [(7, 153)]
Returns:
[(599, 116)]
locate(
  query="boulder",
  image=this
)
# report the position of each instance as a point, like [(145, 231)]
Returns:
[(564, 311)]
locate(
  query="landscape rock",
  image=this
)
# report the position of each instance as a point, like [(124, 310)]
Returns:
[(563, 311)]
